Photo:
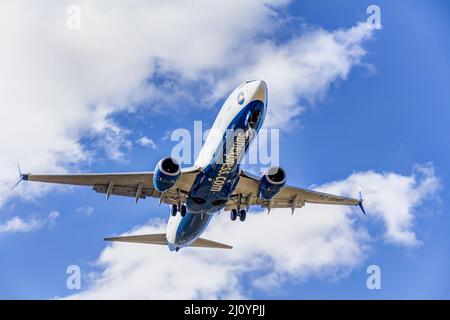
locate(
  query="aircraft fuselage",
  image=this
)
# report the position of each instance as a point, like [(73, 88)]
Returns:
[(236, 125)]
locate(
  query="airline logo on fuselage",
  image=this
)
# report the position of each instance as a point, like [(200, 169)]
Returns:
[(231, 158), (241, 98)]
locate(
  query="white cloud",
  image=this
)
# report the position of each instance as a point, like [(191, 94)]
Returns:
[(394, 206), (301, 69), (86, 211), (147, 142), (17, 224), (59, 85), (326, 242)]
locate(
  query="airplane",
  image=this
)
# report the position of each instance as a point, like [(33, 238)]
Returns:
[(214, 183)]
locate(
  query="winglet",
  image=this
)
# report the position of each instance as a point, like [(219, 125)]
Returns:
[(21, 177), (360, 203)]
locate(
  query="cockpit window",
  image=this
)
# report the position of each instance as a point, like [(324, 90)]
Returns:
[(254, 118)]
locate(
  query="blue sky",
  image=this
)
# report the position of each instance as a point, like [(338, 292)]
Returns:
[(387, 113)]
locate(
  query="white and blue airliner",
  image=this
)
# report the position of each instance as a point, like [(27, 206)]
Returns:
[(215, 182)]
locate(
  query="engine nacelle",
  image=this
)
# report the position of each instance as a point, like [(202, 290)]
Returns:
[(167, 172), (271, 183)]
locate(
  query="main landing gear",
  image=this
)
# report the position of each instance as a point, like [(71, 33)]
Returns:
[(242, 214), (174, 210)]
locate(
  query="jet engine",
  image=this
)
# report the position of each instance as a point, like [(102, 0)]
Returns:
[(271, 182), (167, 172)]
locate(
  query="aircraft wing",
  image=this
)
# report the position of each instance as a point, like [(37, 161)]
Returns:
[(130, 184), (247, 191)]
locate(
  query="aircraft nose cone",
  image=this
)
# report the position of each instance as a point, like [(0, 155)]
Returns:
[(260, 91)]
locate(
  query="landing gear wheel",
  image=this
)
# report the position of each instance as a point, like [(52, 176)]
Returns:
[(242, 215), (183, 210), (174, 210), (233, 214)]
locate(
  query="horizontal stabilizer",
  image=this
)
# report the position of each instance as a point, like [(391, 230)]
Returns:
[(205, 243), (161, 239)]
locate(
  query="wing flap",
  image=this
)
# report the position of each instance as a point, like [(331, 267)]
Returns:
[(312, 196), (128, 191)]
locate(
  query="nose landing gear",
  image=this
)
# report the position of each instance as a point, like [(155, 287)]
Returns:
[(242, 214), (233, 214)]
